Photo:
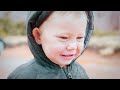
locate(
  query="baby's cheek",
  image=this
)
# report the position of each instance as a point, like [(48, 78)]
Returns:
[(80, 48), (56, 48), (58, 45)]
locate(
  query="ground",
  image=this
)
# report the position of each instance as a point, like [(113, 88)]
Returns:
[(96, 66)]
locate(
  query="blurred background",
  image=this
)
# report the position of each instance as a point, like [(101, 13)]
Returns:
[(101, 59)]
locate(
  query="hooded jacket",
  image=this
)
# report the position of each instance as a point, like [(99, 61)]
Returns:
[(43, 68)]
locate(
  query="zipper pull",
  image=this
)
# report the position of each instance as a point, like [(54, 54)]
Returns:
[(69, 74)]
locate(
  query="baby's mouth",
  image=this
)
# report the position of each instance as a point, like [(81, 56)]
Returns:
[(68, 56)]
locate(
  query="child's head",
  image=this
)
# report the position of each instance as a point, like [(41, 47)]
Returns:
[(62, 36)]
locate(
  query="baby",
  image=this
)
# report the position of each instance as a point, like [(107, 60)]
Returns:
[(56, 39)]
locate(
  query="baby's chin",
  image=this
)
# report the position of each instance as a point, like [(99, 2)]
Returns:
[(63, 64)]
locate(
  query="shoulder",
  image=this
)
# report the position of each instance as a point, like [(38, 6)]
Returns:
[(76, 64), (80, 70), (24, 71)]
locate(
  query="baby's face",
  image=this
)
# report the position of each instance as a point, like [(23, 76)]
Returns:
[(63, 40)]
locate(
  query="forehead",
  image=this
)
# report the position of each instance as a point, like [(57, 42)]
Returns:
[(74, 16), (67, 28), (65, 22), (64, 28)]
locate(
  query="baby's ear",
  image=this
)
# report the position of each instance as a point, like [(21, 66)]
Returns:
[(36, 33)]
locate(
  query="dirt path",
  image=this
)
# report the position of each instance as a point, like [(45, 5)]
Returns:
[(99, 67), (96, 66)]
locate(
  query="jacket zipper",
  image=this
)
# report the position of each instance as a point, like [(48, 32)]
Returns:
[(67, 72)]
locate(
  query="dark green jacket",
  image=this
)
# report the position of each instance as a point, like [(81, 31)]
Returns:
[(41, 67)]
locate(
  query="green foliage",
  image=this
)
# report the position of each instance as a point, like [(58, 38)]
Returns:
[(7, 27), (99, 33)]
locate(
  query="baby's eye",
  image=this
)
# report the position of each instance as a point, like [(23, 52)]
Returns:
[(79, 38), (63, 37)]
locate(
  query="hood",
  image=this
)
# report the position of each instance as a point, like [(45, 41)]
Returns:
[(35, 19)]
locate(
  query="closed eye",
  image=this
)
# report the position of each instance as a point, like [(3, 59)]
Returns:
[(79, 37), (63, 37)]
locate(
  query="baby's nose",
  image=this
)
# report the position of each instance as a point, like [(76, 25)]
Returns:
[(72, 46)]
